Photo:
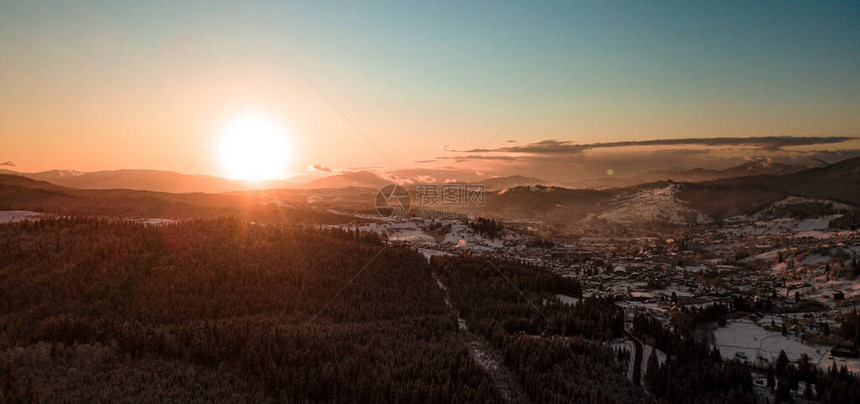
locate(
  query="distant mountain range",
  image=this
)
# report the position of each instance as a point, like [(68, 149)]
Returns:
[(357, 179), (149, 180), (20, 193), (716, 199), (750, 168), (500, 183), (714, 193), (672, 202), (168, 181), (367, 179), (839, 182)]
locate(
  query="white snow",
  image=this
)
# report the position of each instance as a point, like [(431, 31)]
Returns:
[(13, 216), (629, 347), (753, 341), (154, 221), (568, 300), (650, 205), (646, 354), (480, 355), (693, 268), (795, 200)]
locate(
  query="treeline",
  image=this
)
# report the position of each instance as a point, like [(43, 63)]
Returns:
[(488, 228), (692, 372), (558, 351), (231, 310), (540, 242), (850, 327), (565, 370), (507, 293), (836, 385), (19, 193)]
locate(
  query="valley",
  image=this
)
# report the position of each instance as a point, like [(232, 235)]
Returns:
[(631, 278)]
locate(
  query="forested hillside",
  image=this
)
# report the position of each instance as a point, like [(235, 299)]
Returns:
[(19, 193), (99, 310), (232, 311), (558, 352)]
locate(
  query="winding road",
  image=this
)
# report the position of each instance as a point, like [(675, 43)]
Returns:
[(637, 359)]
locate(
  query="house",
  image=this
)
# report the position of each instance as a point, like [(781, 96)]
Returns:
[(844, 352)]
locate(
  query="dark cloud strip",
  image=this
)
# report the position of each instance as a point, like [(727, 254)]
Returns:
[(472, 157), (552, 146), (317, 167)]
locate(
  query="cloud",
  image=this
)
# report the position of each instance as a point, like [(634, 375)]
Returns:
[(473, 157), (439, 174), (566, 162), (8, 164), (773, 143), (544, 157), (426, 179), (827, 156), (319, 168)]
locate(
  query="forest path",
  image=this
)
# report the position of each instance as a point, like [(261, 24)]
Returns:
[(637, 361), (489, 358)]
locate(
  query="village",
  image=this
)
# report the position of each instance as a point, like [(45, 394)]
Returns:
[(786, 284)]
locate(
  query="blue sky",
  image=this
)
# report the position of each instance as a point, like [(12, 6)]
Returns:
[(418, 75)]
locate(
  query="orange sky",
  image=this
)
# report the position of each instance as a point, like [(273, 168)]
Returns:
[(93, 86)]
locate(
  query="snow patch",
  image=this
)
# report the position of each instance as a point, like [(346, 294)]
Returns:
[(14, 216), (658, 204)]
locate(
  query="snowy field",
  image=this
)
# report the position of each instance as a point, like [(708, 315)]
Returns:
[(154, 221), (568, 300), (748, 339), (13, 216), (646, 354), (649, 205), (412, 231)]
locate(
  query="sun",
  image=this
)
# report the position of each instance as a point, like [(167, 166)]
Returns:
[(252, 147)]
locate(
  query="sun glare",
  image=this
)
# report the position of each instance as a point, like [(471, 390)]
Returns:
[(253, 148)]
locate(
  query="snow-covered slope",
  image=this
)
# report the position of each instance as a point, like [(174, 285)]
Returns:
[(13, 216), (652, 204)]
